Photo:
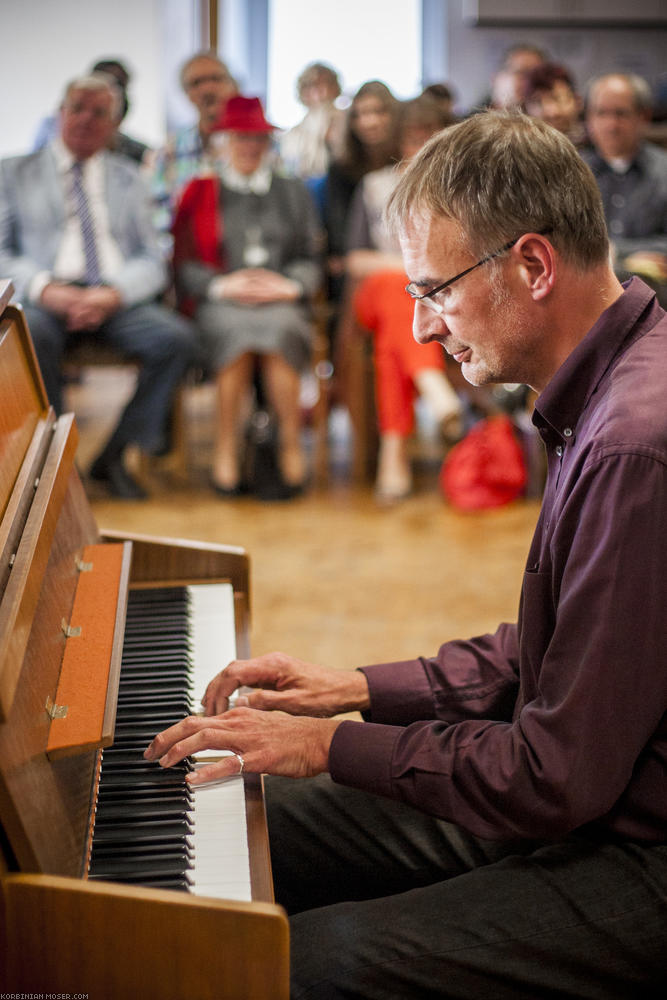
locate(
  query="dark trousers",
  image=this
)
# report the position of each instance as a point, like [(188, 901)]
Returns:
[(161, 341), (387, 902)]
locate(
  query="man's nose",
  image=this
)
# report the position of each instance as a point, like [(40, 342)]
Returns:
[(427, 325)]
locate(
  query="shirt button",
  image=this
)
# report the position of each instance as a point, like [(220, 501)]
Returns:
[(616, 227), (567, 432), (559, 450), (618, 201)]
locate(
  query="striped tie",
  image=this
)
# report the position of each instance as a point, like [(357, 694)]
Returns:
[(92, 275)]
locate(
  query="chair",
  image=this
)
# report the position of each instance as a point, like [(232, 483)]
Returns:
[(314, 403)]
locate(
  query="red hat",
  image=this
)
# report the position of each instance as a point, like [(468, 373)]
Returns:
[(243, 114)]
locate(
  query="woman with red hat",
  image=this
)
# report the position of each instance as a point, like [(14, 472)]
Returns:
[(246, 248)]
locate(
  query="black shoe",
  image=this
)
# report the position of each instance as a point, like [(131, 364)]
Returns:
[(280, 490), (113, 474)]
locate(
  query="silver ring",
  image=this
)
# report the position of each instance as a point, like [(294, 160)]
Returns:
[(241, 761)]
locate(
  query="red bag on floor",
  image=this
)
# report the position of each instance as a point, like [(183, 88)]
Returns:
[(485, 469)]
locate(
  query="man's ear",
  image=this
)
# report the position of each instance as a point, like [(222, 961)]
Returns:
[(537, 262)]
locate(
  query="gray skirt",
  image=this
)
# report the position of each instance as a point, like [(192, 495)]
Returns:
[(228, 330)]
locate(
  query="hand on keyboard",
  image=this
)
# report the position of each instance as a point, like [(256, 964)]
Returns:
[(268, 742), (288, 684)]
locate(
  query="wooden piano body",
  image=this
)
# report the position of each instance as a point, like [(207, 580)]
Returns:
[(59, 932)]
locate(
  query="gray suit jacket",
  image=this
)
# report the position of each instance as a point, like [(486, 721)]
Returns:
[(32, 219)]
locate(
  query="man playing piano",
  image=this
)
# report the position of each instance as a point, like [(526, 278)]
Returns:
[(496, 827)]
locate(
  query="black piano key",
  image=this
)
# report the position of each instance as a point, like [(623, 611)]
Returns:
[(142, 833), (167, 807), (135, 851), (156, 881), (143, 819), (168, 864)]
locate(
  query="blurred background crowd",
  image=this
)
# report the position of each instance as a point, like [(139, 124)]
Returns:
[(254, 253)]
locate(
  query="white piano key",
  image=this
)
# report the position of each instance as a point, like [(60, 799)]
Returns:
[(221, 863), (213, 632)]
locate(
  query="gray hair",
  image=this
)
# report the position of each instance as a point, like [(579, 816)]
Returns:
[(638, 86), (97, 82), (500, 174)]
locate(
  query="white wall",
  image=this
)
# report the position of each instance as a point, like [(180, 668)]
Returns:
[(47, 42)]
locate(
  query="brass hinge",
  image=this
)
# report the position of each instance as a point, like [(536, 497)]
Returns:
[(55, 711), (71, 631)]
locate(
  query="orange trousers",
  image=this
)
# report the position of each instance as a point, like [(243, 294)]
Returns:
[(383, 307)]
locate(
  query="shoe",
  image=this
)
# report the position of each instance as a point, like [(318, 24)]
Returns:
[(113, 474), (389, 498), (278, 490), (226, 492)]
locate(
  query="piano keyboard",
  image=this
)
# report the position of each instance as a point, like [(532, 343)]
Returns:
[(151, 828)]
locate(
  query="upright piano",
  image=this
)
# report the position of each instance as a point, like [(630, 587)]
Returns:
[(116, 881)]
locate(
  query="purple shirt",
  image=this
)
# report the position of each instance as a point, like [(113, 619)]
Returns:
[(560, 720)]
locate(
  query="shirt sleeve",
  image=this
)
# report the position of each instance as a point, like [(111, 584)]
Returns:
[(585, 715)]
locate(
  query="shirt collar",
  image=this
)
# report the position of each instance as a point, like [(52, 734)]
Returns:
[(257, 183), (564, 399), (638, 161), (65, 159)]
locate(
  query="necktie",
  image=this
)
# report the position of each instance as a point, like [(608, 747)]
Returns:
[(92, 275)]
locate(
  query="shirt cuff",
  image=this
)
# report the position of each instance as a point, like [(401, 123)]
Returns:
[(37, 286), (360, 755), (400, 693), (216, 289)]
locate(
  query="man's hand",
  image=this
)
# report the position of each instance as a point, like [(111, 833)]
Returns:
[(285, 683), (269, 742), (60, 299), (94, 307), (81, 308)]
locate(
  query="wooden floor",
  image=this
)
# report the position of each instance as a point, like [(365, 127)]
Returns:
[(335, 579)]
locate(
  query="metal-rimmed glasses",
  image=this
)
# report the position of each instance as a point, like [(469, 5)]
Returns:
[(427, 297)]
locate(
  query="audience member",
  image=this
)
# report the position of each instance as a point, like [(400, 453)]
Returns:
[(208, 85), (119, 141), (444, 94), (552, 97), (631, 174), (508, 85), (307, 149), (246, 247), (496, 826), (403, 368), (369, 143), (77, 242)]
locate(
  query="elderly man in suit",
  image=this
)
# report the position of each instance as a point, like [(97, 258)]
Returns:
[(77, 241)]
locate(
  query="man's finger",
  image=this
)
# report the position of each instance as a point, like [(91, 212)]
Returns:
[(226, 767)]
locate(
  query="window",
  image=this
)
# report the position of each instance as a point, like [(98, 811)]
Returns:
[(367, 40)]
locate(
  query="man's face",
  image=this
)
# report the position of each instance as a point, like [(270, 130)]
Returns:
[(487, 327), (209, 87), (615, 125), (558, 106), (87, 121)]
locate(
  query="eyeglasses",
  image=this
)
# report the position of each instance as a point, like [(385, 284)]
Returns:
[(427, 297), (197, 81)]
